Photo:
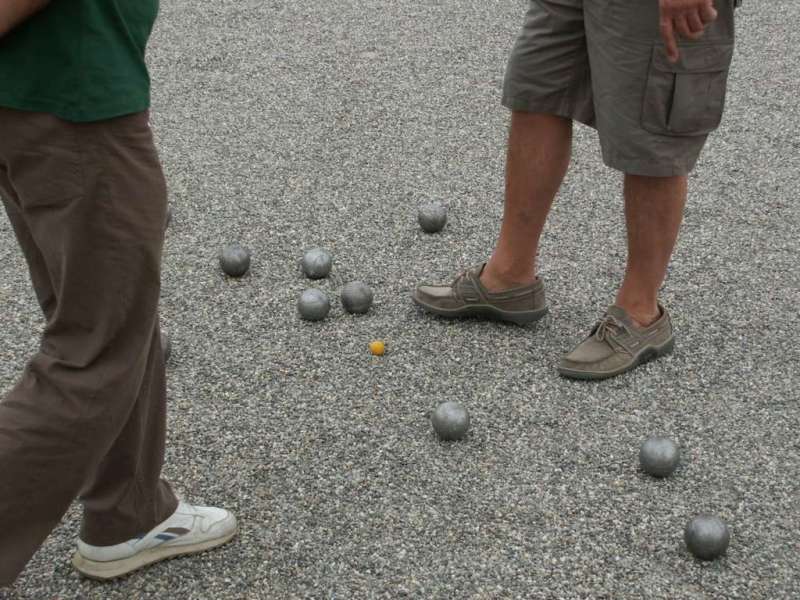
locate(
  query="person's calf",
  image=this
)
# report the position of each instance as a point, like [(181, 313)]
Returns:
[(653, 214), (539, 148)]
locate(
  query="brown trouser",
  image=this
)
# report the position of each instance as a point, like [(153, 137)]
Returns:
[(87, 417)]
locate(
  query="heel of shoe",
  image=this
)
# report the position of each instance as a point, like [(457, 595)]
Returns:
[(666, 348), (525, 318)]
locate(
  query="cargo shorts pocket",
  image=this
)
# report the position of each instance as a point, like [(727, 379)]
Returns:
[(686, 98)]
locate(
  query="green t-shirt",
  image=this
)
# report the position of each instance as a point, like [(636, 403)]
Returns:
[(81, 60)]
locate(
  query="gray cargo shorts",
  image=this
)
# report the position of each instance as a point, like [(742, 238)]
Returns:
[(602, 63)]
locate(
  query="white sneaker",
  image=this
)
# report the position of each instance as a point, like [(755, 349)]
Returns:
[(191, 529)]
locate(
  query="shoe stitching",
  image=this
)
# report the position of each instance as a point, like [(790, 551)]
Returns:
[(467, 289), (462, 285), (456, 286), (610, 330)]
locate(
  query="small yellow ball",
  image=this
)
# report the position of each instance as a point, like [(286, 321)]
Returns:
[(377, 347)]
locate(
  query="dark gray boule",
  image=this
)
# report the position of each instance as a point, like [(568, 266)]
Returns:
[(707, 537), (235, 260), (313, 305), (432, 217), (317, 263), (450, 421), (659, 456), (356, 297), (166, 346)]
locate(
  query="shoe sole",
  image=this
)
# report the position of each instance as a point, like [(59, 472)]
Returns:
[(103, 571), (643, 357), (486, 311)]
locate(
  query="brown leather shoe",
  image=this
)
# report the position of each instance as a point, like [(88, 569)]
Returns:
[(466, 297), (616, 345)]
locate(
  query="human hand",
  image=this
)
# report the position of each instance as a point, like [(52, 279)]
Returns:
[(685, 18), (14, 12)]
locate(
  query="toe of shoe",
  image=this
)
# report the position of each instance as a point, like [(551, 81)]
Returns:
[(426, 296), (426, 291), (566, 366), (599, 369), (435, 296), (224, 525)]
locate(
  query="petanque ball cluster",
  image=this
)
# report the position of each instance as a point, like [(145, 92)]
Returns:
[(314, 304), (706, 536)]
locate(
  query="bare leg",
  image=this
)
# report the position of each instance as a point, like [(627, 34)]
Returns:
[(539, 147), (653, 214)]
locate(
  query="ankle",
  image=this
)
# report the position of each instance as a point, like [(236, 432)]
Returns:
[(498, 279), (644, 314)]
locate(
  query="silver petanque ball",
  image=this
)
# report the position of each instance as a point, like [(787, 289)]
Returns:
[(356, 297), (707, 537), (659, 456), (317, 263), (450, 421), (432, 217), (234, 260), (313, 305)]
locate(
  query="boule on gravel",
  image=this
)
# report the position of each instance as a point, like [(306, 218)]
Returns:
[(707, 536), (659, 456), (313, 305), (234, 260), (357, 297), (432, 217), (450, 421), (317, 263)]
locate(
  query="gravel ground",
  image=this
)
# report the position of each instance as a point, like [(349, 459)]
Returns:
[(286, 125)]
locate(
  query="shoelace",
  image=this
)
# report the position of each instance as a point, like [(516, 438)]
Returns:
[(607, 327), (456, 285)]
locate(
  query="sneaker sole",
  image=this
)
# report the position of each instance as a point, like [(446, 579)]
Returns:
[(645, 356), (104, 571), (486, 311)]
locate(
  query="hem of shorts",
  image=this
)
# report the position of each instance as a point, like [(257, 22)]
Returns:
[(103, 113), (554, 106), (647, 168)]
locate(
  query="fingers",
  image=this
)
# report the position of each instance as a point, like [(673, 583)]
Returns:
[(708, 13), (668, 35), (695, 21), (686, 23), (685, 30)]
